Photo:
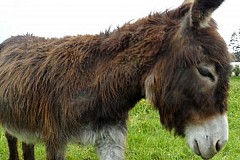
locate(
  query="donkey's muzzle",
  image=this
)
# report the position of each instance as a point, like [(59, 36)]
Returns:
[(207, 138)]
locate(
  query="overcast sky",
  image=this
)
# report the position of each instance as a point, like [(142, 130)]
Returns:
[(57, 18)]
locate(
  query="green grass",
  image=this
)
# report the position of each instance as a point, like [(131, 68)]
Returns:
[(148, 140)]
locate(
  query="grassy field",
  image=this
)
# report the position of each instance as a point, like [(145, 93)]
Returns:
[(148, 140)]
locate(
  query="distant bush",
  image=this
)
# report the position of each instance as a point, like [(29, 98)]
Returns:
[(236, 70)]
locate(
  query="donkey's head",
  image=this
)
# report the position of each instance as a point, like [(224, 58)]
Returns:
[(189, 82)]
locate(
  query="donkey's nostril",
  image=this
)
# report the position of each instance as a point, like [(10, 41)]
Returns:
[(218, 146), (196, 148)]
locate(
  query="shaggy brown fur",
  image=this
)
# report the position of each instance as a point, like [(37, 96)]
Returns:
[(55, 86)]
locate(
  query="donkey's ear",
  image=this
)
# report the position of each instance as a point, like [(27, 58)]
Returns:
[(200, 13), (187, 1)]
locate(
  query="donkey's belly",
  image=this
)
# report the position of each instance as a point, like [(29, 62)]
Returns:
[(23, 135)]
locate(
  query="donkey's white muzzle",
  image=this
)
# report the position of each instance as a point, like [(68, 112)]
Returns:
[(209, 137)]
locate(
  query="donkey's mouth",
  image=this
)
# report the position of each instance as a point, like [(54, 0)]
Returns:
[(197, 150)]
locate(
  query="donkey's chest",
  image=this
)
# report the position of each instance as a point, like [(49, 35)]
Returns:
[(24, 135)]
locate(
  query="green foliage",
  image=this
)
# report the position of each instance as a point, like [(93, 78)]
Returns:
[(236, 70), (235, 45), (148, 140)]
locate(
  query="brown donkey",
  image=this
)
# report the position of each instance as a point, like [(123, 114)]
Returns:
[(80, 89)]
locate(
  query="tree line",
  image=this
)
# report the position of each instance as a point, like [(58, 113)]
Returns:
[(235, 45)]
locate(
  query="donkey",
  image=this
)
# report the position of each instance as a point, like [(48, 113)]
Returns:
[(81, 88)]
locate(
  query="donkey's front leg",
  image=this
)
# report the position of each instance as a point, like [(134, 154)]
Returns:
[(56, 150), (28, 151), (12, 146), (111, 142)]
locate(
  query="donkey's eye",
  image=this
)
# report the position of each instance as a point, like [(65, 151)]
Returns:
[(206, 73)]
